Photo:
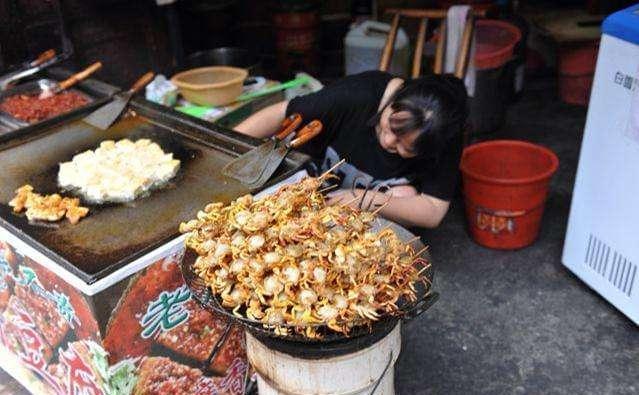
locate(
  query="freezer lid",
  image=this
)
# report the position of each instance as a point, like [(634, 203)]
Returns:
[(624, 24)]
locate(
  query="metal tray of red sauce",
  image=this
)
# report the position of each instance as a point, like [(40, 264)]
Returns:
[(93, 92), (113, 235)]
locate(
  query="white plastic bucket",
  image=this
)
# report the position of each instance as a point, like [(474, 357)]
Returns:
[(364, 372), (363, 47)]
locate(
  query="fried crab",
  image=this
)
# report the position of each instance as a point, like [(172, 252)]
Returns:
[(47, 207), (295, 264)]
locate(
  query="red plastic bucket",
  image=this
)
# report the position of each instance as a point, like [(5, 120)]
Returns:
[(296, 37), (505, 188), (577, 64), (494, 43)]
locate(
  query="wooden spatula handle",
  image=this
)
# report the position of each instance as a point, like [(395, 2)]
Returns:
[(307, 133), (289, 124), (44, 56), (77, 77), (142, 82)]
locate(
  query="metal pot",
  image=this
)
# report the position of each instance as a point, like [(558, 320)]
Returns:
[(226, 56)]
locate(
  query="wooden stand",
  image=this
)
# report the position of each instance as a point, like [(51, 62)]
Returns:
[(463, 56)]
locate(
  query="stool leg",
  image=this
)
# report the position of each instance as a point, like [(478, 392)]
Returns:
[(438, 68), (419, 47), (463, 56), (387, 54)]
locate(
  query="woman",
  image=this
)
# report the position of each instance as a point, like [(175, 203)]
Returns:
[(402, 136)]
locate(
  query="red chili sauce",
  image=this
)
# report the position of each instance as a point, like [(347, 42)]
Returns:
[(31, 109)]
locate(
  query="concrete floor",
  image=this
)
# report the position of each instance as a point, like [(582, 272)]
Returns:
[(515, 322), (519, 322)]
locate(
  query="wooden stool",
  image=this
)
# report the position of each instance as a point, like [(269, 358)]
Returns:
[(463, 56)]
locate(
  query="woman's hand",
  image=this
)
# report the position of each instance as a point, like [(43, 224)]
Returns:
[(372, 199), (344, 197), (402, 204)]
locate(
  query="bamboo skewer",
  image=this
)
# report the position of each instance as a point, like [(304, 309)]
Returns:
[(330, 170), (353, 200), (328, 188), (378, 209), (421, 251)]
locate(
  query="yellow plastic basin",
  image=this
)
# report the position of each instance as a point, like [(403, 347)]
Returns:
[(210, 86)]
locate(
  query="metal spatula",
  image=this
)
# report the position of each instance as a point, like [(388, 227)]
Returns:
[(45, 59), (54, 89), (270, 165), (105, 116), (248, 167)]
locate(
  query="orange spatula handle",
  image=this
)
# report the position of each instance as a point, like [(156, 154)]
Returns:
[(289, 124), (44, 56), (306, 133), (142, 82), (77, 77)]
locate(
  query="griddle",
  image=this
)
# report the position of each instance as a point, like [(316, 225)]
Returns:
[(116, 234)]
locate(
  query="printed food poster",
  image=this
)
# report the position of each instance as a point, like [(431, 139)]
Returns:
[(157, 340)]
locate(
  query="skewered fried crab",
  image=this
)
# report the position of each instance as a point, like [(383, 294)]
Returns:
[(293, 263)]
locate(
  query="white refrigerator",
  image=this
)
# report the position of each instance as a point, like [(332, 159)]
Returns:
[(602, 240)]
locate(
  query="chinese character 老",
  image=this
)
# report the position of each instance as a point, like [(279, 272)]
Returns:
[(166, 312)]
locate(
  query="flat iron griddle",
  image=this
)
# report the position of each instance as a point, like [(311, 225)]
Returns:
[(116, 234)]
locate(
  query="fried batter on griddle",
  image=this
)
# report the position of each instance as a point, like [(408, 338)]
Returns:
[(47, 207)]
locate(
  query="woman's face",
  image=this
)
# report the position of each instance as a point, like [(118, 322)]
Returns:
[(403, 145)]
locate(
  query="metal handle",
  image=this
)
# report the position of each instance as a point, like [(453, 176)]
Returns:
[(289, 124), (142, 82), (218, 345), (306, 133), (77, 77), (45, 59), (379, 380), (421, 306)]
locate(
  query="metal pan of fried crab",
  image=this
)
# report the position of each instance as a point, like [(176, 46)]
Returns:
[(291, 262)]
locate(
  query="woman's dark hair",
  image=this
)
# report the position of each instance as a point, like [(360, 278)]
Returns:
[(437, 109)]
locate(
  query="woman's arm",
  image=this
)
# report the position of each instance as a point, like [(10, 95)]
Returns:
[(265, 122), (419, 210), (423, 211)]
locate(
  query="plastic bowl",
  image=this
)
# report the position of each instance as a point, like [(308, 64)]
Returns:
[(211, 86)]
